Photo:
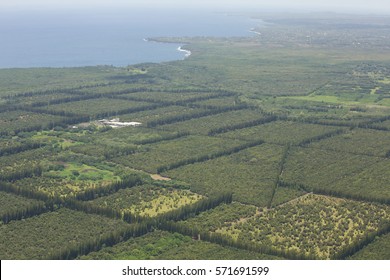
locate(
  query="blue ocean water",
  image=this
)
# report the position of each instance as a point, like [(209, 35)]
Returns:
[(109, 37)]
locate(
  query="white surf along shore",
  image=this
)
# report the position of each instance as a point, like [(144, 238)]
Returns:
[(187, 52)]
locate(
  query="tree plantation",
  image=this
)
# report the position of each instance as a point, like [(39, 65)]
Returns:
[(263, 147)]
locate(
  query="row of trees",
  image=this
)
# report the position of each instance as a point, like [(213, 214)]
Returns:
[(195, 208), (320, 137), (26, 212), (66, 100), (226, 240), (357, 245), (128, 181), (371, 124), (70, 90), (334, 193), (29, 145), (282, 163), (106, 151), (214, 155), (256, 122), (195, 115), (72, 252), (26, 172), (11, 188), (167, 137), (59, 123)]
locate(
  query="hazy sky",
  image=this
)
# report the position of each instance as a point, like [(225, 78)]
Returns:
[(361, 6)]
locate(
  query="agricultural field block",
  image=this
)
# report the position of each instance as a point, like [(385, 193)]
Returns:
[(14, 121), (311, 167), (45, 99), (204, 124), (163, 112), (10, 203), (379, 249), (349, 99), (16, 166), (35, 80), (284, 195), (129, 135), (358, 141), (167, 96), (62, 139), (169, 152), (109, 89), (385, 124), (14, 146), (250, 174), (300, 108), (218, 102), (79, 171), (48, 234), (161, 245), (371, 183), (147, 200), (316, 226), (64, 179), (221, 216), (279, 132), (94, 107)]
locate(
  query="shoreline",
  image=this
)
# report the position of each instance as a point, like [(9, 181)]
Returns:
[(180, 48), (254, 31), (187, 52)]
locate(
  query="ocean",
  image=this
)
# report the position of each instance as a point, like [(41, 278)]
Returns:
[(107, 37)]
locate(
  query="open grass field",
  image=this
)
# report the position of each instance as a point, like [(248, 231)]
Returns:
[(147, 200)]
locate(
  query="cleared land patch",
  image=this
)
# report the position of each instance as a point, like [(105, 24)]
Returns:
[(147, 200)]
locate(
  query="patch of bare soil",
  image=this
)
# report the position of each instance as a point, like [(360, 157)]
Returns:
[(159, 177)]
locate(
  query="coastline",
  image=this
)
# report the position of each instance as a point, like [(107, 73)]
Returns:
[(254, 31), (187, 52)]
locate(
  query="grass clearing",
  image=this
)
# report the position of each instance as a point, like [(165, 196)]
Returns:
[(148, 200)]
